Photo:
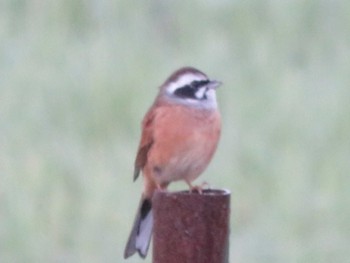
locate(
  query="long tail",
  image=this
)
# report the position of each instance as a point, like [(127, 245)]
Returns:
[(140, 236)]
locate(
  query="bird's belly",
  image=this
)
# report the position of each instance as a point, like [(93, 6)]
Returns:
[(187, 163), (182, 168)]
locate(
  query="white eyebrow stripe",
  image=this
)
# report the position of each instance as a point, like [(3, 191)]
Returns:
[(183, 81)]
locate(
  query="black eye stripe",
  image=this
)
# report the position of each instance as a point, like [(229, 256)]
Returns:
[(186, 92), (189, 91)]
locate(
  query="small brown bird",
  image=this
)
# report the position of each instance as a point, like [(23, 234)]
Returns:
[(180, 133)]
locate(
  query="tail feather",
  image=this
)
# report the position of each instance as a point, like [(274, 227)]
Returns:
[(141, 233)]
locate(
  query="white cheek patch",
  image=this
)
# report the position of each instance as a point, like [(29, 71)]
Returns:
[(200, 94), (208, 103), (183, 81)]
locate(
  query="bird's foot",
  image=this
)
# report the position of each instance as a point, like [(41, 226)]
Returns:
[(162, 187), (198, 188)]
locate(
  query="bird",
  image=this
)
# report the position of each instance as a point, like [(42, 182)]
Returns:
[(180, 133)]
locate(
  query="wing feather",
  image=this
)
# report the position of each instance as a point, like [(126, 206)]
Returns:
[(145, 143)]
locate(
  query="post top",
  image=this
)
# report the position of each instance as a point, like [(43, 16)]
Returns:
[(205, 192)]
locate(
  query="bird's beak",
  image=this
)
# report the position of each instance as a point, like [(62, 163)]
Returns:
[(214, 84)]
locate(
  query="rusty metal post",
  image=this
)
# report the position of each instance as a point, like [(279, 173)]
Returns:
[(191, 227)]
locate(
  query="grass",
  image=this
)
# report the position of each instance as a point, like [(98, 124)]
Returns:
[(76, 78)]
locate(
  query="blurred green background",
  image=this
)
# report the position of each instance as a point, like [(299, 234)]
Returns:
[(77, 76)]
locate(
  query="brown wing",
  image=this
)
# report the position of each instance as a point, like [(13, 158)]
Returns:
[(145, 143)]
